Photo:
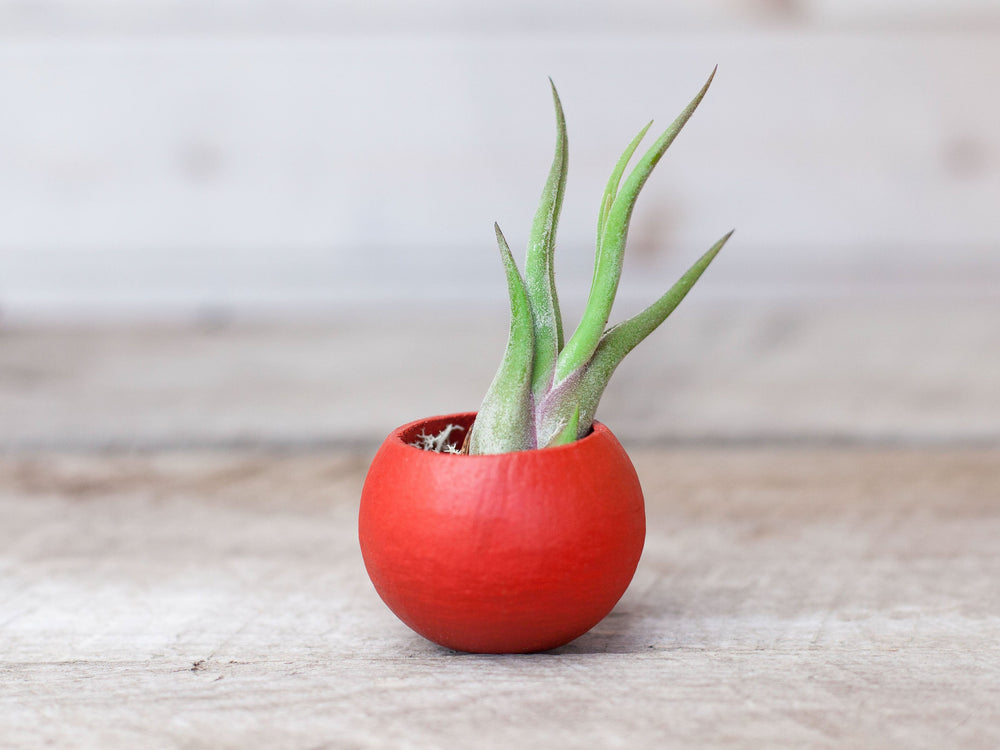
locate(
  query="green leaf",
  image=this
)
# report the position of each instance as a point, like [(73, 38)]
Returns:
[(505, 420), (587, 385), (624, 337), (568, 432), (539, 268), (611, 250), (611, 191)]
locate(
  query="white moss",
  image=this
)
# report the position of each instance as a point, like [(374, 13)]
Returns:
[(441, 442)]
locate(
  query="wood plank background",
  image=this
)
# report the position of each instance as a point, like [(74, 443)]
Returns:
[(794, 598), (165, 158), (75, 17), (241, 241), (744, 374)]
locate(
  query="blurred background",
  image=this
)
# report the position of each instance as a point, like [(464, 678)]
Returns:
[(272, 222)]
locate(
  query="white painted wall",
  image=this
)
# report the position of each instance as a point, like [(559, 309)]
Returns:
[(163, 157)]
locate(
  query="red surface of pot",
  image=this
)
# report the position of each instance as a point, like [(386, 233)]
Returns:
[(510, 553)]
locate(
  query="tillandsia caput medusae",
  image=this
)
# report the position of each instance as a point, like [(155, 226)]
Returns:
[(546, 391)]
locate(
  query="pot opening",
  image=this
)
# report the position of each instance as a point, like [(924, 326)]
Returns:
[(455, 428), (418, 432)]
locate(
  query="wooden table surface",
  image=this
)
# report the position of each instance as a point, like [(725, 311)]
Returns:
[(176, 572)]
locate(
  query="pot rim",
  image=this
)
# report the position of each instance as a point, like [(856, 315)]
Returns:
[(598, 430)]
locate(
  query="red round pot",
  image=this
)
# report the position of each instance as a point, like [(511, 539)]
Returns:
[(510, 553)]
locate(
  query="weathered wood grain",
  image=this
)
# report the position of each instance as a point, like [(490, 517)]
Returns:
[(556, 17), (739, 372), (148, 174), (786, 598)]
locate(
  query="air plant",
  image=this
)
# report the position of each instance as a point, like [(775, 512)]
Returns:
[(524, 550), (547, 389)]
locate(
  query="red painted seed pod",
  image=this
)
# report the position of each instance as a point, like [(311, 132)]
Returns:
[(509, 553)]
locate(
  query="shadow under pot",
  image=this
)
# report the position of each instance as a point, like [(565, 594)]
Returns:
[(510, 553)]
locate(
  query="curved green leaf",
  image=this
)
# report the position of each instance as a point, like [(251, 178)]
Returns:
[(583, 389), (611, 249), (539, 269), (619, 340), (505, 421), (611, 190)]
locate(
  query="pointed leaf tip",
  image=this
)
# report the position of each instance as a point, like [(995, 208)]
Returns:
[(539, 270), (613, 224), (555, 92), (504, 422)]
